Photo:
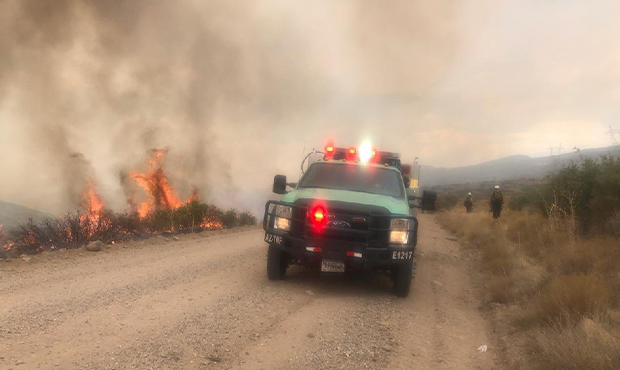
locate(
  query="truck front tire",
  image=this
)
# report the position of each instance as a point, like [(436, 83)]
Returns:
[(402, 279), (276, 263)]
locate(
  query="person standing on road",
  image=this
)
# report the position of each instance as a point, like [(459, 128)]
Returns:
[(469, 202), (497, 202)]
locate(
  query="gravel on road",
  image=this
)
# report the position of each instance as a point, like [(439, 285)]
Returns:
[(204, 302)]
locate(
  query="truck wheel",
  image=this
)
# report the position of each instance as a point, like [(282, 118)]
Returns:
[(402, 279), (276, 263)]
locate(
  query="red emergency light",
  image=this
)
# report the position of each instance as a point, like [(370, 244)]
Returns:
[(318, 217), (330, 150), (351, 154)]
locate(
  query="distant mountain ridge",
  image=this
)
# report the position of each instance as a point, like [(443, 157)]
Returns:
[(506, 168), (12, 214)]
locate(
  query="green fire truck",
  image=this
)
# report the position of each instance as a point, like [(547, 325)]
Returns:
[(349, 211)]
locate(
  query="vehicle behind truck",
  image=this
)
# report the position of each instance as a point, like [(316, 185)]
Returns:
[(349, 211)]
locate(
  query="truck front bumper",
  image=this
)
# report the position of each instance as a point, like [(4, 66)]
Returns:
[(308, 249), (310, 252)]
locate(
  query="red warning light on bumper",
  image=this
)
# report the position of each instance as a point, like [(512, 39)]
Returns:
[(318, 216)]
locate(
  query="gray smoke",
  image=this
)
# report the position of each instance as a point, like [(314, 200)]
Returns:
[(232, 88)]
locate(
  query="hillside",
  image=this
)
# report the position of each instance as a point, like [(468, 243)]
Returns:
[(512, 167), (13, 214)]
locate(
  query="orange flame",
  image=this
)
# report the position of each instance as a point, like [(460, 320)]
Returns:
[(4, 243), (157, 187), (160, 192), (212, 224), (90, 199), (93, 204), (144, 210)]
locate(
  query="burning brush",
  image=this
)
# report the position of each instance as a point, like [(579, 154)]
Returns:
[(161, 200), (5, 243), (156, 185), (161, 196), (162, 211)]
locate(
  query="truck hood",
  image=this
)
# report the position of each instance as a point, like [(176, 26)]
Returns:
[(395, 206)]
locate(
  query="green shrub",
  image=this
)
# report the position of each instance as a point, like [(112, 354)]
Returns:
[(446, 201), (230, 219), (588, 191), (528, 197), (246, 218)]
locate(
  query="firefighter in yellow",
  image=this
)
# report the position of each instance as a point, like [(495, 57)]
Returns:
[(469, 202), (497, 202)]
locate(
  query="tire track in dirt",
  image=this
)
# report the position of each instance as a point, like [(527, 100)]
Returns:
[(206, 303)]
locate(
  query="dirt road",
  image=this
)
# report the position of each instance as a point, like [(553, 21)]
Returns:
[(204, 302)]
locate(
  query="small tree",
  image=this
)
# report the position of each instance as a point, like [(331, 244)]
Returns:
[(586, 194)]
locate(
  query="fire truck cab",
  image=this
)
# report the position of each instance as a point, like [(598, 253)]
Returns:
[(349, 211)]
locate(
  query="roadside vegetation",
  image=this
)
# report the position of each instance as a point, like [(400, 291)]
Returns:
[(450, 196), (553, 261), (78, 229)]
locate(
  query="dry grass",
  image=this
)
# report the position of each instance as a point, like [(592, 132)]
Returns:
[(565, 287), (503, 289), (567, 298), (587, 345), (514, 278)]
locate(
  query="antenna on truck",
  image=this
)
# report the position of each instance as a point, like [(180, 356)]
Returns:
[(302, 159)]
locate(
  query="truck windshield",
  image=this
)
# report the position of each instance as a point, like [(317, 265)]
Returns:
[(366, 179)]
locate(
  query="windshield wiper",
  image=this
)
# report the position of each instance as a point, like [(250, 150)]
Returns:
[(316, 187), (374, 193), (354, 190)]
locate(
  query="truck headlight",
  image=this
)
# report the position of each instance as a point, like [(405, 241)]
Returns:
[(283, 218), (399, 230), (399, 237), (401, 224)]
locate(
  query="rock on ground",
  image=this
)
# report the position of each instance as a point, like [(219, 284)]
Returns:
[(95, 246)]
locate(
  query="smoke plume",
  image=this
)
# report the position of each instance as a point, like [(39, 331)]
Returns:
[(233, 89)]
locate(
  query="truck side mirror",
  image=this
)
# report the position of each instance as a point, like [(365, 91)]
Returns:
[(279, 184), (429, 200)]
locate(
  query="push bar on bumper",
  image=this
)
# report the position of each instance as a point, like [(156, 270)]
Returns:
[(270, 214), (300, 223)]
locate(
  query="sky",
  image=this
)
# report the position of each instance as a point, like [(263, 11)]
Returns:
[(238, 90)]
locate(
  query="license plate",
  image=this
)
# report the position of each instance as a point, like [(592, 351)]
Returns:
[(273, 239), (332, 266), (402, 255)]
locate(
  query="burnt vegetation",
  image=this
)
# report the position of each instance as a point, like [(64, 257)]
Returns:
[(555, 255), (78, 229)]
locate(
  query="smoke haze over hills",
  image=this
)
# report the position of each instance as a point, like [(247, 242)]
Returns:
[(508, 168)]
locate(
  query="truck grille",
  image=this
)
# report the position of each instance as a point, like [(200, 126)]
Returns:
[(364, 227), (351, 223)]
